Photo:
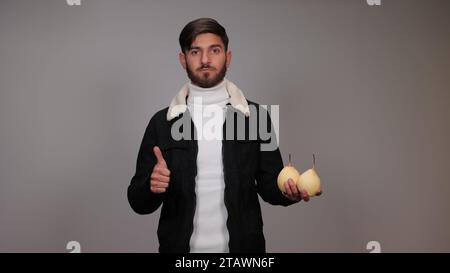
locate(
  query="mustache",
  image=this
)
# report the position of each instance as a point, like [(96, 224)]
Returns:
[(204, 66)]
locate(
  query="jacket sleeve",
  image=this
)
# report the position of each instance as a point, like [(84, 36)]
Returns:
[(270, 165), (141, 199)]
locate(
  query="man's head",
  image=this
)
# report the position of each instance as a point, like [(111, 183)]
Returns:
[(204, 52)]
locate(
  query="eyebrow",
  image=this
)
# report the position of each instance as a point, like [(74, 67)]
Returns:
[(211, 46)]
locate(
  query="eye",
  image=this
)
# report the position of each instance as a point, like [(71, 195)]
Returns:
[(216, 50), (194, 52)]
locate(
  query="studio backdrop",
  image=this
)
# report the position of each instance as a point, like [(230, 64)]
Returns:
[(365, 87)]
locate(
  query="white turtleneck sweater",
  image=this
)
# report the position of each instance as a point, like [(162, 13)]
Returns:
[(207, 107)]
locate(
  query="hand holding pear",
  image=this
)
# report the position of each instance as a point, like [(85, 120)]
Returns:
[(307, 184)]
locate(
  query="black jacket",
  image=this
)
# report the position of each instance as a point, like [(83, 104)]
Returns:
[(248, 171)]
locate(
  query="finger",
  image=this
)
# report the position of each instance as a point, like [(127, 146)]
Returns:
[(319, 193), (160, 178), (296, 196), (159, 157), (287, 188), (159, 184), (157, 190), (161, 171), (305, 196), (293, 187)]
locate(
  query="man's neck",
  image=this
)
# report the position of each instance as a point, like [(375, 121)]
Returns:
[(217, 94), (216, 87)]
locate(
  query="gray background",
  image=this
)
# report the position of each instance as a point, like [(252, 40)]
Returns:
[(365, 88)]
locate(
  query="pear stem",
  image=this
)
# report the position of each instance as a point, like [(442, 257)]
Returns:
[(314, 161), (290, 164)]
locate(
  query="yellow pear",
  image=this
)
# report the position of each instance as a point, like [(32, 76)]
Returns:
[(309, 181), (287, 172)]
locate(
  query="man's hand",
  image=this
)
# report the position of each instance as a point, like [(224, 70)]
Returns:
[(159, 180), (294, 194)]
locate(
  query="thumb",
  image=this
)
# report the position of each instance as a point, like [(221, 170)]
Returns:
[(159, 156)]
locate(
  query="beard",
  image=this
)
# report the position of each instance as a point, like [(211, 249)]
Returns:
[(204, 79)]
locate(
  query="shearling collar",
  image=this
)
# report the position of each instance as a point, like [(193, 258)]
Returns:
[(237, 100)]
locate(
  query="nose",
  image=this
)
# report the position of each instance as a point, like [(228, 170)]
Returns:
[(205, 58)]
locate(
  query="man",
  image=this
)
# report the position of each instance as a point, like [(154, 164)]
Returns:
[(208, 186)]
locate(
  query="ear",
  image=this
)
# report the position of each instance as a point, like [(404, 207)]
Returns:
[(229, 55), (182, 59)]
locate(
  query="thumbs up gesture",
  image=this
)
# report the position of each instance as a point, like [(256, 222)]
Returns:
[(159, 180)]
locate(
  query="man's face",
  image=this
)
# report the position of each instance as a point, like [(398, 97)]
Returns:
[(206, 62)]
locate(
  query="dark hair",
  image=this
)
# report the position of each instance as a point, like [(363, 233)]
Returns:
[(200, 26)]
